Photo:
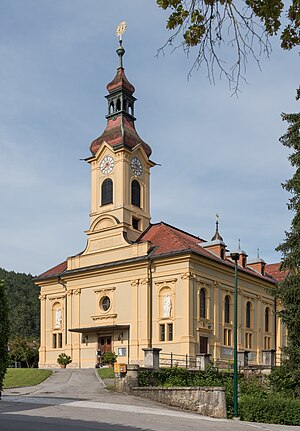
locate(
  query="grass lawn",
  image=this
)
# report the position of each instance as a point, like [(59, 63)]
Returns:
[(18, 377), (106, 373)]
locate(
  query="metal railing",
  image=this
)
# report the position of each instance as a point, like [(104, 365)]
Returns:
[(169, 360), (173, 360)]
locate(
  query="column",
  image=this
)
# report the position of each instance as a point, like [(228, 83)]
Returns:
[(134, 330), (76, 337), (42, 349), (187, 340), (144, 316)]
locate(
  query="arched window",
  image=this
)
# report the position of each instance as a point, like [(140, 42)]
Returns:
[(203, 303), (267, 315), (111, 108), (107, 192), (136, 193), (227, 309), (118, 105), (248, 315)]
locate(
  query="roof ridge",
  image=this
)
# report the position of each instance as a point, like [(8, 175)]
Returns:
[(144, 232), (183, 231)]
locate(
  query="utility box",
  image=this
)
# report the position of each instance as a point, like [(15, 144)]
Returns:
[(120, 368)]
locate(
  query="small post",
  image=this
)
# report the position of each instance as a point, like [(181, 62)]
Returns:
[(202, 360), (151, 358), (243, 358), (269, 358), (186, 361), (171, 359)]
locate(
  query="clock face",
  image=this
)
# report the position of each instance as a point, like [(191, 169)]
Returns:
[(136, 166), (107, 165)]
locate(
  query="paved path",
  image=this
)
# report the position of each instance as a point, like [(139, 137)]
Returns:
[(76, 400), (66, 383), (73, 384)]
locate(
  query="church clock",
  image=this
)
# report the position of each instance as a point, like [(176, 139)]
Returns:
[(136, 166), (107, 164)]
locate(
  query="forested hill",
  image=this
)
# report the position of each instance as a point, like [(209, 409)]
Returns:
[(24, 304)]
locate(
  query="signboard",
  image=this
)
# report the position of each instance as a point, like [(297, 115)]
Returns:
[(122, 351), (120, 368)]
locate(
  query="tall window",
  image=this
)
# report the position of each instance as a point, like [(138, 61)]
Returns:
[(202, 303), (267, 314), (248, 315), (107, 192), (170, 331), (136, 193), (227, 309)]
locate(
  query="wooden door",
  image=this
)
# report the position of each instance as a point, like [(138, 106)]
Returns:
[(104, 344), (203, 344)]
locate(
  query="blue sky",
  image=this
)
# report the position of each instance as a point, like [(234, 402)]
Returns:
[(217, 152)]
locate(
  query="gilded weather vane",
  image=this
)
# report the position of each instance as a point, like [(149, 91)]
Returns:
[(120, 29)]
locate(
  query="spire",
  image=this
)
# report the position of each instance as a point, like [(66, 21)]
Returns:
[(217, 235), (120, 130), (120, 51)]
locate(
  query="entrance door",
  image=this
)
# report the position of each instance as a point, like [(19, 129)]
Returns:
[(104, 344), (203, 344)]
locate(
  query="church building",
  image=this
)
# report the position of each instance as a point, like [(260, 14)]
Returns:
[(139, 285)]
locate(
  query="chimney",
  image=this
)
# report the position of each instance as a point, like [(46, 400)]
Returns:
[(257, 264)]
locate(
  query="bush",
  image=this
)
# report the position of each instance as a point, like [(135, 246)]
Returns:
[(108, 358), (272, 409), (64, 359), (285, 381)]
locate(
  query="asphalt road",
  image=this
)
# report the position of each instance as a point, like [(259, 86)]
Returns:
[(77, 401)]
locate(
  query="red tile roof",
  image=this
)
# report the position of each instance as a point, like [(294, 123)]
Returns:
[(56, 270), (273, 269), (166, 240), (120, 131)]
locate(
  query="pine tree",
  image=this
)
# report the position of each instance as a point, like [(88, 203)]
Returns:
[(288, 291), (4, 333)]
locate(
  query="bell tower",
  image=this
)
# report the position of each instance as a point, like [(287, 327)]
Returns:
[(120, 171)]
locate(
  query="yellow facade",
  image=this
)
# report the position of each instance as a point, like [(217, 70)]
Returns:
[(132, 289)]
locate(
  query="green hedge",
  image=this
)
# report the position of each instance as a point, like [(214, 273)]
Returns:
[(272, 409)]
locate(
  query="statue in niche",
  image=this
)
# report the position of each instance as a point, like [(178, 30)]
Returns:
[(58, 318), (167, 305)]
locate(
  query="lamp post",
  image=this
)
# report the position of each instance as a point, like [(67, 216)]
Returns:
[(235, 257)]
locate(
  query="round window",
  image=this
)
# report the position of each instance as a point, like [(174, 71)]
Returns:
[(105, 303)]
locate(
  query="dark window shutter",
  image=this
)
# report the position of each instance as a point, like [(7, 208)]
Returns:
[(135, 193), (107, 192)]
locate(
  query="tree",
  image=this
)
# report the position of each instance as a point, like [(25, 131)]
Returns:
[(245, 26), (288, 291), (24, 350), (24, 304), (4, 333)]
